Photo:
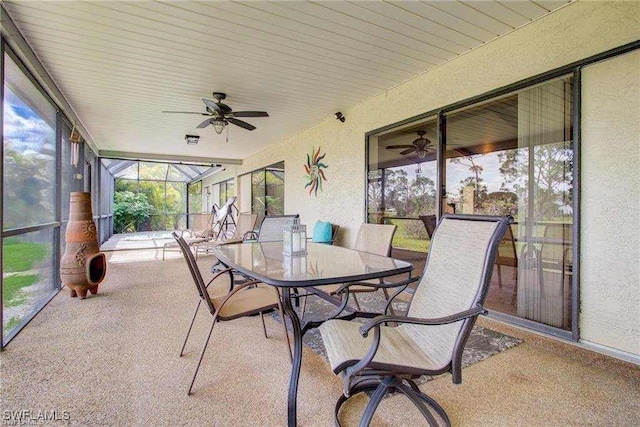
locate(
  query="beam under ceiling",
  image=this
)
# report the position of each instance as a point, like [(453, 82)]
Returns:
[(168, 158)]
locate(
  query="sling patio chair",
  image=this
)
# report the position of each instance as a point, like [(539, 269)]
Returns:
[(372, 238), (271, 230), (431, 338), (200, 231), (244, 229), (272, 227), (248, 299)]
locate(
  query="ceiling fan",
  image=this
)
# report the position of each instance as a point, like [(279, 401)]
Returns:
[(421, 146), (220, 114)]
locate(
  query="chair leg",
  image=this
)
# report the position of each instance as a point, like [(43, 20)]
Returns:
[(355, 299), (499, 276), (193, 319), (374, 401), (204, 349), (264, 327), (418, 398), (304, 306), (386, 297)]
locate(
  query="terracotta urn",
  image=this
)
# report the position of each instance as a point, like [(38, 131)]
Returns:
[(82, 266)]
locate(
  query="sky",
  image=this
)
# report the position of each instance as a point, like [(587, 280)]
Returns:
[(24, 130)]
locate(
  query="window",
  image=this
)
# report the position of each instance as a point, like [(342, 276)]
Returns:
[(402, 183), (512, 154)]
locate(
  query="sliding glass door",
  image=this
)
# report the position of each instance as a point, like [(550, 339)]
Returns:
[(510, 155), (513, 155)]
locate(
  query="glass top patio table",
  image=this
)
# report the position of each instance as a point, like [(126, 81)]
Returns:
[(322, 265)]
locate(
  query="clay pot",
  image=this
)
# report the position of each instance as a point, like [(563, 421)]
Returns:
[(82, 266)]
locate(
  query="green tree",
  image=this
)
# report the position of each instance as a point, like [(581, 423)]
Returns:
[(396, 191), (480, 188), (130, 210), (551, 176), (422, 196), (27, 188)]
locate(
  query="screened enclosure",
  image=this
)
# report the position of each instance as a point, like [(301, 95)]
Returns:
[(154, 196)]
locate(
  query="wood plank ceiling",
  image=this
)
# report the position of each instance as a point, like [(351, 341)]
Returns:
[(121, 63)]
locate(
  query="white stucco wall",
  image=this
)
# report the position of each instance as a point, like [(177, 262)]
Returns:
[(610, 211), (574, 32)]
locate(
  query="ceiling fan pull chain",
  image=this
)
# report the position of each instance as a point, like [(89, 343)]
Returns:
[(227, 126)]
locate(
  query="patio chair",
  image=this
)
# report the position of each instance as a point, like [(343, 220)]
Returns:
[(371, 238), (431, 338), (507, 255), (272, 227), (271, 230), (245, 300), (430, 222), (243, 230), (200, 231)]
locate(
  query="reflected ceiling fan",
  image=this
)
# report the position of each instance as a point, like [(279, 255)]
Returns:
[(220, 114), (421, 146)]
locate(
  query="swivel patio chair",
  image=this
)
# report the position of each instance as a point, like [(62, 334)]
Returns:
[(247, 299), (371, 238), (431, 338)]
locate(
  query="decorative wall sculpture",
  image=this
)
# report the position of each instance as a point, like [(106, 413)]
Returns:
[(314, 173)]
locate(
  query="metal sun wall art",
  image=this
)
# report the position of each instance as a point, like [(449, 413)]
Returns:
[(315, 174)]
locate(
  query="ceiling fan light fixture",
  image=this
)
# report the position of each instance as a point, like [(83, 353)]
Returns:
[(218, 126), (422, 154)]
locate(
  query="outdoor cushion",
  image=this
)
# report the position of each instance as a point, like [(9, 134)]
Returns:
[(321, 232)]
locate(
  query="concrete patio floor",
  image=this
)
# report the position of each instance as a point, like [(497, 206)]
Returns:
[(113, 359)]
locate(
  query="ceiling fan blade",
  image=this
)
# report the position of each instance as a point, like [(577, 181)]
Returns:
[(248, 114), (187, 112), (204, 124), (408, 151), (399, 146), (212, 105), (241, 123)]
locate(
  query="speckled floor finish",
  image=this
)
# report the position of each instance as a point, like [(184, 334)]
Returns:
[(112, 359)]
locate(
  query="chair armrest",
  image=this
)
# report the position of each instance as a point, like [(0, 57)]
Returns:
[(375, 322), (229, 242), (375, 325), (381, 285)]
